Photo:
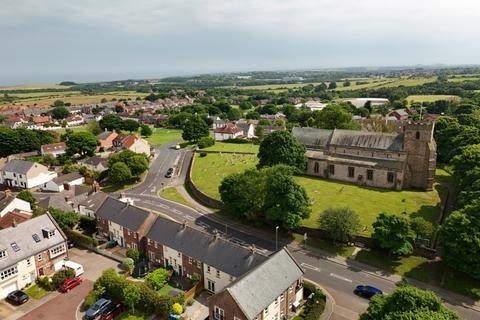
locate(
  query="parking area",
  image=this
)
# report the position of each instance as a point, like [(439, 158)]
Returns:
[(55, 303)]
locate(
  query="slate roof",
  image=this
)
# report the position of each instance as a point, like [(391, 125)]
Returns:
[(123, 213), (69, 177), (52, 147), (219, 253), (104, 135), (257, 289), (94, 201), (320, 138), (5, 199), (95, 161), (22, 236), (18, 166)]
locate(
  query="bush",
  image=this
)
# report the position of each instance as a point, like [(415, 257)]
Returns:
[(203, 154), (206, 142), (45, 283), (88, 224), (134, 254), (195, 278), (60, 276), (237, 140), (157, 278), (78, 237), (177, 308), (315, 305), (128, 264), (90, 299)]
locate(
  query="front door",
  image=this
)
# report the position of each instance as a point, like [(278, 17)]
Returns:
[(41, 272), (180, 271)]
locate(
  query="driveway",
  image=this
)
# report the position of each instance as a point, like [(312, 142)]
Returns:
[(64, 306)]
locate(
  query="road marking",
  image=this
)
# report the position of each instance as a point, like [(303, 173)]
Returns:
[(189, 217), (309, 266), (340, 277), (161, 205), (176, 211)]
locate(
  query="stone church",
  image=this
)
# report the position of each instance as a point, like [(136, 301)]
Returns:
[(386, 160)]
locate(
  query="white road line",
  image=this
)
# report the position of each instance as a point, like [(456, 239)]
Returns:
[(340, 277), (309, 266), (189, 217), (176, 211)]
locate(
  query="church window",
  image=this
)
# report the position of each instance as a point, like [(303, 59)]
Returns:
[(390, 177), (331, 169), (351, 172), (417, 135), (369, 174), (316, 167)]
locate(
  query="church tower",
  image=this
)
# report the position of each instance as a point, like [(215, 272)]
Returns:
[(421, 152)]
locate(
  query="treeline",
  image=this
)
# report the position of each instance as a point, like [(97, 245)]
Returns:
[(23, 140)]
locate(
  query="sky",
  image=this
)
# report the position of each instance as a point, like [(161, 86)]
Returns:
[(47, 41)]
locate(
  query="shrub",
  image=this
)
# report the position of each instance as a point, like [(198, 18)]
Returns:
[(206, 142), (203, 154), (237, 140), (78, 237), (134, 254), (157, 278), (177, 308), (90, 299), (315, 305), (60, 276), (195, 278), (88, 224), (128, 264), (113, 284), (45, 283)]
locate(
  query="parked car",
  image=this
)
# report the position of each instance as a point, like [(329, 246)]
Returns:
[(17, 297), (169, 173), (367, 291), (113, 311), (97, 309), (70, 283)]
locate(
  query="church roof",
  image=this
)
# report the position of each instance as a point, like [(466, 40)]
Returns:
[(312, 137)]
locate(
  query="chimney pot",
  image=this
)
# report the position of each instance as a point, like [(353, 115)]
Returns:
[(253, 249), (14, 223)]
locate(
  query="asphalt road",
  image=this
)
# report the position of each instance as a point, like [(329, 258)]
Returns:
[(338, 279)]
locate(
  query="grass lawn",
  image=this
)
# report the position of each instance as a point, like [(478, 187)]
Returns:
[(233, 147), (367, 202), (430, 98), (339, 250), (165, 290), (117, 187), (74, 129), (461, 283), (172, 194), (36, 292), (161, 136), (208, 172), (415, 267)]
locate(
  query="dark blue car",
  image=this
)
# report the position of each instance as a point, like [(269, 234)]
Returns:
[(367, 291)]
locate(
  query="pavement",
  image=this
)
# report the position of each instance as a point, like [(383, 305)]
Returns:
[(337, 275)]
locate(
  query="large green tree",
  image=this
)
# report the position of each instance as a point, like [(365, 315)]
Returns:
[(82, 143), (60, 113), (22, 140), (111, 122), (146, 131), (119, 173), (459, 240), (463, 163), (335, 117), (393, 233), (194, 129), (408, 303), (26, 195), (132, 294), (281, 147), (136, 162), (130, 125), (341, 223)]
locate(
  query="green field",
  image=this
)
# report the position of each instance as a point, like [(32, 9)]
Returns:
[(430, 98), (74, 129), (172, 194), (161, 136), (35, 87), (209, 171), (233, 147)]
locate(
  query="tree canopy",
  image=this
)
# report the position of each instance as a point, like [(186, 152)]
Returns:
[(408, 303), (119, 173), (146, 131), (281, 147), (335, 117), (394, 234), (60, 112), (194, 129), (22, 140), (341, 223), (82, 143)]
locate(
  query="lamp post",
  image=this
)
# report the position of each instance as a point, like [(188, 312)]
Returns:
[(276, 238)]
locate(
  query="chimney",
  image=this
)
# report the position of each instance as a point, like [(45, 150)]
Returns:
[(14, 223), (95, 187), (253, 249), (8, 193)]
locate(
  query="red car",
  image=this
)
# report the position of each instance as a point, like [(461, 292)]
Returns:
[(113, 311), (70, 283)]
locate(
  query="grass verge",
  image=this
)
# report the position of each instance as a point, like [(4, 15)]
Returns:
[(461, 283), (339, 250), (174, 195)]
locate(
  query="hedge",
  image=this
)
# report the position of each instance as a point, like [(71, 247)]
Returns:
[(78, 237)]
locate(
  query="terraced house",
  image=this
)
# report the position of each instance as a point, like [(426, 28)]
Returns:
[(33, 248), (385, 160)]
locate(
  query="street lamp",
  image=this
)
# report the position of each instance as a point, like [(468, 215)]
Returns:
[(276, 238)]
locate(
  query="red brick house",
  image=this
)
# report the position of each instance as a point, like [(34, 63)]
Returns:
[(124, 223), (106, 138)]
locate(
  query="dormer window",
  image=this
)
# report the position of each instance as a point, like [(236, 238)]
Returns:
[(47, 233), (3, 254)]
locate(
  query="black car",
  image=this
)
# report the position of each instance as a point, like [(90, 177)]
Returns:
[(97, 309), (169, 173), (17, 297)]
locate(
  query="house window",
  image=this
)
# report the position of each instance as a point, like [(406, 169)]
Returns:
[(331, 169), (57, 250), (15, 175), (417, 135), (219, 313), (390, 177), (231, 278), (7, 273), (351, 172), (369, 174), (218, 274), (190, 260), (39, 257), (316, 167), (29, 263), (208, 269), (276, 302), (199, 265), (151, 255), (3, 254), (178, 254)]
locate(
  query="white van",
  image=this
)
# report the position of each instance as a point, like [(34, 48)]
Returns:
[(77, 267)]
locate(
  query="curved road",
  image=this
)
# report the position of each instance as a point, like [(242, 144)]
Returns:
[(338, 277)]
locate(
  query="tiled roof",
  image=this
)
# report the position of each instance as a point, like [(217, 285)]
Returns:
[(229, 128), (14, 216), (52, 147)]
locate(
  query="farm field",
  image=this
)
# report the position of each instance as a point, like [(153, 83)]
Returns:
[(209, 171), (161, 136), (34, 87), (430, 98)]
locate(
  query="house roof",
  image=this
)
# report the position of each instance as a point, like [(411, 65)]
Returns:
[(123, 213), (19, 166), (257, 289), (95, 161), (94, 201), (126, 140), (321, 138), (69, 177), (216, 252), (5, 199), (14, 216), (229, 128), (66, 200), (52, 147), (104, 135), (22, 235)]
